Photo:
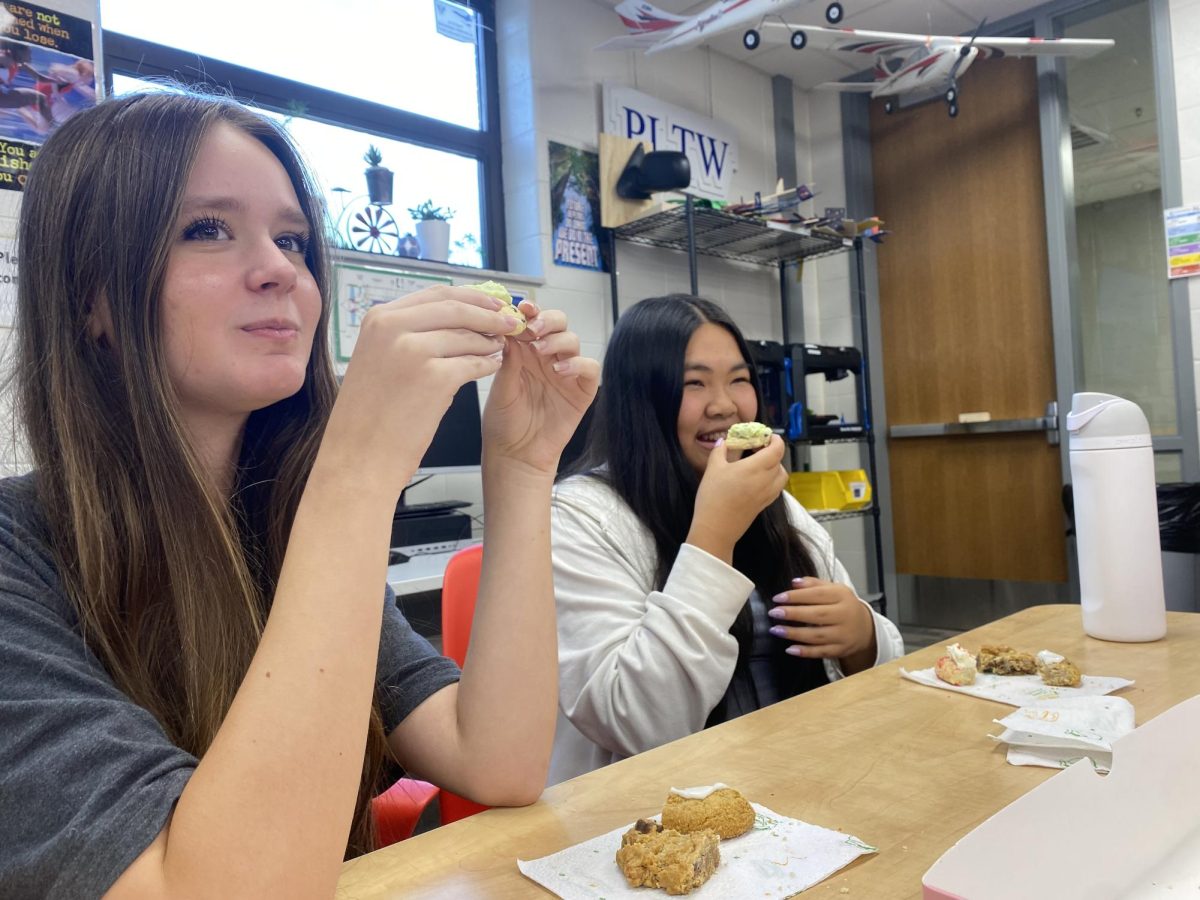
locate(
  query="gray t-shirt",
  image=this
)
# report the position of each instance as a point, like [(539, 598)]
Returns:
[(87, 777)]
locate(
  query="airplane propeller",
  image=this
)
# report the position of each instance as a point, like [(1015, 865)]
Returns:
[(965, 54)]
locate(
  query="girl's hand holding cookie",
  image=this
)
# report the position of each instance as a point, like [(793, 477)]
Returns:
[(826, 621), (411, 356), (540, 393), (732, 492)]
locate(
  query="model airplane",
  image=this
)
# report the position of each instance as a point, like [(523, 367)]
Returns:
[(925, 64), (651, 29)]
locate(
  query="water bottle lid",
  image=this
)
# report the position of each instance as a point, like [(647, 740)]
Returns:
[(1098, 420)]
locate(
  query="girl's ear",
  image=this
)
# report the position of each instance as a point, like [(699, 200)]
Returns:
[(99, 322)]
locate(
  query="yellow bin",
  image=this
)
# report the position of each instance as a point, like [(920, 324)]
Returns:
[(842, 489)]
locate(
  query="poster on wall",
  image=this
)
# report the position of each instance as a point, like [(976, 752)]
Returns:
[(47, 74), (575, 207), (357, 289), (1183, 241)]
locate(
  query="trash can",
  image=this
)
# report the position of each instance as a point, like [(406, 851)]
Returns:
[(1179, 534)]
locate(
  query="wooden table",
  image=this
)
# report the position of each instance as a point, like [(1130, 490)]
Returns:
[(904, 767)]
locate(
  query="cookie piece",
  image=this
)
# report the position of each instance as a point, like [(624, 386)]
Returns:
[(500, 292), (748, 436), (718, 808), (957, 667), (1058, 671), (1000, 659), (653, 856)]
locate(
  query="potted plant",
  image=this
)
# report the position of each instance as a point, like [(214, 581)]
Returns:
[(379, 178), (433, 229)]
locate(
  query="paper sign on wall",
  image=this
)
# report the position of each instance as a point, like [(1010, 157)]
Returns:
[(357, 289), (1183, 241), (710, 146)]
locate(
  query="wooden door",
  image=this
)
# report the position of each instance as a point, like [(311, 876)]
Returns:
[(965, 306)]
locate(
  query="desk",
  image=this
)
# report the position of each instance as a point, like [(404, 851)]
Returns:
[(423, 571), (904, 767)]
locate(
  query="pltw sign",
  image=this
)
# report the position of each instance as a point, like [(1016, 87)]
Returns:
[(711, 147)]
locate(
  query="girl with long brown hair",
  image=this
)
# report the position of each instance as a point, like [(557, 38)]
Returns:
[(202, 674)]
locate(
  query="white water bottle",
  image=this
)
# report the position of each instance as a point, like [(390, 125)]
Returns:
[(1116, 519)]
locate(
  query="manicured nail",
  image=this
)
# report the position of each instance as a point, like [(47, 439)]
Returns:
[(794, 650), (540, 346), (562, 368), (777, 630), (779, 598), (537, 326), (719, 442), (797, 581), (777, 612)]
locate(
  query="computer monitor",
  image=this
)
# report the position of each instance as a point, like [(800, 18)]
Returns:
[(457, 445)]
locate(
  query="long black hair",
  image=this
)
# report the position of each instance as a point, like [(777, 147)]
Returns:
[(633, 445)]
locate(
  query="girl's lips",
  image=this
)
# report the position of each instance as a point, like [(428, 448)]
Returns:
[(709, 438), (273, 330)]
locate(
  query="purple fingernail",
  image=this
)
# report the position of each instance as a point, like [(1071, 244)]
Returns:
[(777, 630), (776, 612), (797, 581), (779, 598), (793, 650)]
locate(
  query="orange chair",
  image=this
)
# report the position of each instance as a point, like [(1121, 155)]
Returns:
[(460, 587)]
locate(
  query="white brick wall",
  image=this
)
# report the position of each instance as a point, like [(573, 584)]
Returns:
[(551, 90)]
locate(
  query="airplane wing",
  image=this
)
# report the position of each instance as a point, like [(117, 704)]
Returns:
[(848, 40), (628, 42), (895, 43), (849, 86), (1014, 46)]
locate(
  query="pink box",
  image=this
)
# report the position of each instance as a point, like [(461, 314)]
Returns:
[(1132, 834)]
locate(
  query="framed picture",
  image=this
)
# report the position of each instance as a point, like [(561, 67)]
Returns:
[(357, 288)]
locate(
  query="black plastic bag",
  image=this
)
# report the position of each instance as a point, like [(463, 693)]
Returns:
[(1178, 516)]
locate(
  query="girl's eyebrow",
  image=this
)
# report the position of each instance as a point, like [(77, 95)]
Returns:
[(701, 367), (289, 215)]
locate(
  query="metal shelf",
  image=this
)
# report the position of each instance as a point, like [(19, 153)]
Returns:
[(730, 236), (849, 439), (847, 514)]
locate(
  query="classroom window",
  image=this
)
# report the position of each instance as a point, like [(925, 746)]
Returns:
[(344, 77)]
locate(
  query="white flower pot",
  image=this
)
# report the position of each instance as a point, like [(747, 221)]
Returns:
[(434, 237)]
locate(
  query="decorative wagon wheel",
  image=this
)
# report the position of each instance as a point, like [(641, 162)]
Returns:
[(370, 228)]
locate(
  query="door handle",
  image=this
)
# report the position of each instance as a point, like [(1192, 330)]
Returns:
[(1047, 423)]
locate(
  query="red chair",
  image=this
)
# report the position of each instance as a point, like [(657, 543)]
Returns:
[(460, 587), (397, 810)]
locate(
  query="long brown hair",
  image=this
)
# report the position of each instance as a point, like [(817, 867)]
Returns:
[(171, 580)]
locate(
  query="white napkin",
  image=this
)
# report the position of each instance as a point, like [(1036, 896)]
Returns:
[(1057, 733), (1019, 690), (778, 857)]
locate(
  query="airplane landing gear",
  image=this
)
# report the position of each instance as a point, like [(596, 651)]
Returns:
[(751, 39), (952, 94), (889, 106), (952, 109), (834, 13), (799, 40)]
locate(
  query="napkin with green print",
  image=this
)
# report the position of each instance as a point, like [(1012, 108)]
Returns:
[(1056, 733)]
